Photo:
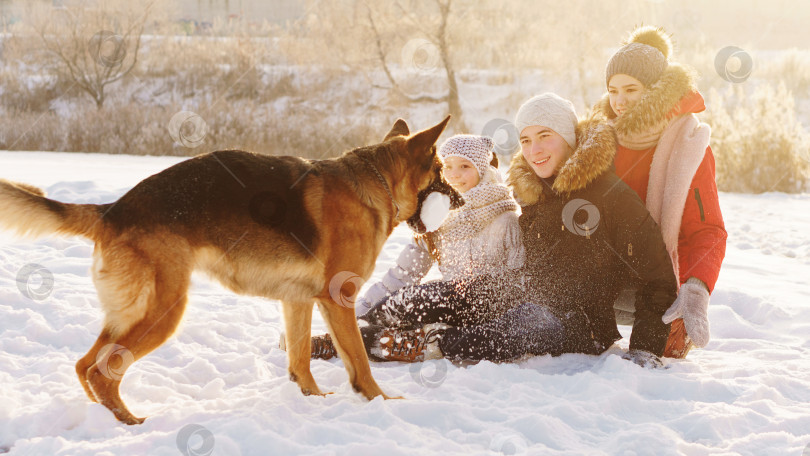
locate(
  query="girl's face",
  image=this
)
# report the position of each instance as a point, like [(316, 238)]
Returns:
[(624, 91), (544, 149), (460, 173)]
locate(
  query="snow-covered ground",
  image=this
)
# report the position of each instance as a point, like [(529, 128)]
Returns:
[(219, 386)]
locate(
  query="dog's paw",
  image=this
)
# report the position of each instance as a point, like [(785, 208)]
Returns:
[(126, 417), (317, 392)]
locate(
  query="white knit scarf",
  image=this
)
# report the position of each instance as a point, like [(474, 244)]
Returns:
[(482, 204)]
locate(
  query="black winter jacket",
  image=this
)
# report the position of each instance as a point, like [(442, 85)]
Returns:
[(587, 236)]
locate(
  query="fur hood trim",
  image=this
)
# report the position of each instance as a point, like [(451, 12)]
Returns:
[(656, 105), (596, 147)]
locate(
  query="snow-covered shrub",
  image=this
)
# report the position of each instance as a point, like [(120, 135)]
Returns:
[(793, 67), (758, 144), (25, 85), (143, 129)]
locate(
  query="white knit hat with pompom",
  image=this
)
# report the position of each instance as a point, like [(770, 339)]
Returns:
[(477, 149)]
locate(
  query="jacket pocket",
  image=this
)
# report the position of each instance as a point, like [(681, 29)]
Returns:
[(700, 205)]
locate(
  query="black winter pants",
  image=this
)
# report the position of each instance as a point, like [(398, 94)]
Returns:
[(480, 328), (455, 302)]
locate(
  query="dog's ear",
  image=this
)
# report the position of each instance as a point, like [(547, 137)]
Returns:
[(425, 139), (400, 128)]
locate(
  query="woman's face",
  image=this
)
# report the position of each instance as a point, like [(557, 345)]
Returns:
[(460, 173), (544, 149), (624, 91)]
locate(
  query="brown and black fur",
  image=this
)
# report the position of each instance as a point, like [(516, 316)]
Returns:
[(276, 227)]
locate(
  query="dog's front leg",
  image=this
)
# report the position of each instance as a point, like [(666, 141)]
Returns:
[(298, 323), (349, 343)]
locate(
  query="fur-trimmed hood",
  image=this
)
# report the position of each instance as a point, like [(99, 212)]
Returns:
[(657, 105), (596, 147)]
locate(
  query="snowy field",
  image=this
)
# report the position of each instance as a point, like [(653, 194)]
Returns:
[(219, 386)]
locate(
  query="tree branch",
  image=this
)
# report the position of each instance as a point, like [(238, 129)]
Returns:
[(68, 45)]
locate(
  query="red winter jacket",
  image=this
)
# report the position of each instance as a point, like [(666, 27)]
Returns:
[(702, 238)]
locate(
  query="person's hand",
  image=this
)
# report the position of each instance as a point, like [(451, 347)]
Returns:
[(643, 358), (692, 305)]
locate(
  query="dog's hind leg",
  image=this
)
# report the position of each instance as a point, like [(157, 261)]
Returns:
[(84, 364), (343, 327), (159, 290), (148, 334), (298, 325)]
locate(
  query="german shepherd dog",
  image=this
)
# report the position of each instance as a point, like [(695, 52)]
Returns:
[(283, 228)]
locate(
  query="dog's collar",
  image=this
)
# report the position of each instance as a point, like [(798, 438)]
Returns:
[(384, 183)]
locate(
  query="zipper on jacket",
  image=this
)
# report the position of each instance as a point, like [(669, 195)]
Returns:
[(700, 205)]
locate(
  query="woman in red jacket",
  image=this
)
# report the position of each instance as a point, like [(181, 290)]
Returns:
[(664, 155)]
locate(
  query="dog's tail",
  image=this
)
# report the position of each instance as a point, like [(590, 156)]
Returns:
[(25, 210)]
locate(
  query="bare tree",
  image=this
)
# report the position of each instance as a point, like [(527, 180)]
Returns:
[(574, 52), (438, 41), (92, 44)]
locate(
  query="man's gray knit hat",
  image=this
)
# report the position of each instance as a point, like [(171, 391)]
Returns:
[(552, 111), (644, 56)]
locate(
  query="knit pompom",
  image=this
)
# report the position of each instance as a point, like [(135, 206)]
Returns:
[(652, 36)]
